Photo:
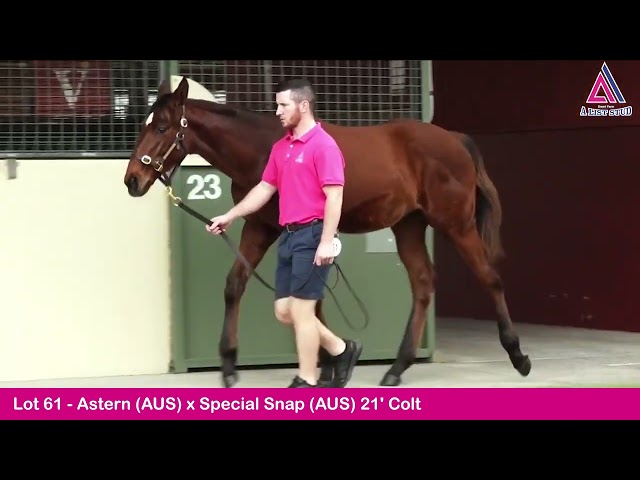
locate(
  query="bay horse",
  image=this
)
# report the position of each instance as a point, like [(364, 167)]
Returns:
[(403, 174)]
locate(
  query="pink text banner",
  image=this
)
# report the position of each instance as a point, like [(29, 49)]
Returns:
[(319, 404)]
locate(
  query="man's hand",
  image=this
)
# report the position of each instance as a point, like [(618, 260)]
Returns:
[(324, 254), (220, 223), (255, 199)]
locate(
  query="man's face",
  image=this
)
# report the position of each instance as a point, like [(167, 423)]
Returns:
[(288, 112)]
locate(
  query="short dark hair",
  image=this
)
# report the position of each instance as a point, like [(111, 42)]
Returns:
[(301, 89)]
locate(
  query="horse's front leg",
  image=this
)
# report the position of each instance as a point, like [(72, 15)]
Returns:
[(255, 240)]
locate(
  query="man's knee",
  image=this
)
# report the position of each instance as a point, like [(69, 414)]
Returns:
[(301, 309), (282, 310)]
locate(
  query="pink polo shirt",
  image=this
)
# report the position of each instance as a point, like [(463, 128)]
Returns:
[(299, 169)]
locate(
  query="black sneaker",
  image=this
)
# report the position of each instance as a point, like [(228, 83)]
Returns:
[(300, 383), (345, 363)]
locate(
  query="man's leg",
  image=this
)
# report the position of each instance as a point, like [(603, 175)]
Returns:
[(307, 338), (282, 303), (329, 340), (283, 312), (308, 282)]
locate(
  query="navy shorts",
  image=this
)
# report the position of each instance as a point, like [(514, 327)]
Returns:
[(296, 274)]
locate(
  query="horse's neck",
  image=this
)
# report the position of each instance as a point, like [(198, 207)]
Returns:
[(228, 143)]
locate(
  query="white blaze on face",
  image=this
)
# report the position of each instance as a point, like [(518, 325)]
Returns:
[(149, 119)]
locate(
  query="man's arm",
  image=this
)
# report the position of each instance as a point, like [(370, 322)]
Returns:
[(261, 193), (330, 166), (332, 211), (257, 197)]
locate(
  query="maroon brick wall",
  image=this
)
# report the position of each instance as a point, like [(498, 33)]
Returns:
[(568, 185)]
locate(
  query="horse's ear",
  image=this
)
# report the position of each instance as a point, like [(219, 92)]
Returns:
[(182, 92), (164, 88)]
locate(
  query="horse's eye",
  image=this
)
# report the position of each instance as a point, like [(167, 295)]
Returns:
[(162, 129)]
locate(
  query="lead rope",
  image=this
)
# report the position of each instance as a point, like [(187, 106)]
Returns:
[(177, 201)]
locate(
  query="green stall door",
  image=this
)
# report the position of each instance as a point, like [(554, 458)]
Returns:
[(200, 263)]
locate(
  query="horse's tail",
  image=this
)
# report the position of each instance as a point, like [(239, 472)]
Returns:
[(488, 209)]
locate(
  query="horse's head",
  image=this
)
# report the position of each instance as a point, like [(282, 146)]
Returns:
[(159, 148)]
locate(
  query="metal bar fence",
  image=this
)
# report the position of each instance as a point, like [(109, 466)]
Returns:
[(351, 92), (70, 109), (95, 108)]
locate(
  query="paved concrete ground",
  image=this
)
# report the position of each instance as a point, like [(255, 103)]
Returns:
[(468, 355)]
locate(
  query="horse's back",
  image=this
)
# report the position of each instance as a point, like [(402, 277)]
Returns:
[(401, 146), (381, 183), (373, 153), (400, 166)]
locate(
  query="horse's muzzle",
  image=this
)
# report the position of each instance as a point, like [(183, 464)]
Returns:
[(132, 186)]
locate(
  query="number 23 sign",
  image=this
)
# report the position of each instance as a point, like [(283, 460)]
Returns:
[(205, 187)]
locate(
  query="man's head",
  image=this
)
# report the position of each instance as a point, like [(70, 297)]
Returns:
[(296, 101)]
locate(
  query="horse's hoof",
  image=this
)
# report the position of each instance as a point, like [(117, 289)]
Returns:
[(325, 383), (390, 380), (523, 365), (229, 381)]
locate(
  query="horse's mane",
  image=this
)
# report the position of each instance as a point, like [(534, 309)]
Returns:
[(229, 110)]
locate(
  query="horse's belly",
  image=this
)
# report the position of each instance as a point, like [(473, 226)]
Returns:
[(375, 214)]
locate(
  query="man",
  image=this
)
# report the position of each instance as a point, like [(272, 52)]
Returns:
[(307, 168)]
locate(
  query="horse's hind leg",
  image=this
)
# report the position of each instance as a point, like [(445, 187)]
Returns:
[(412, 249), (470, 246), (255, 240)]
